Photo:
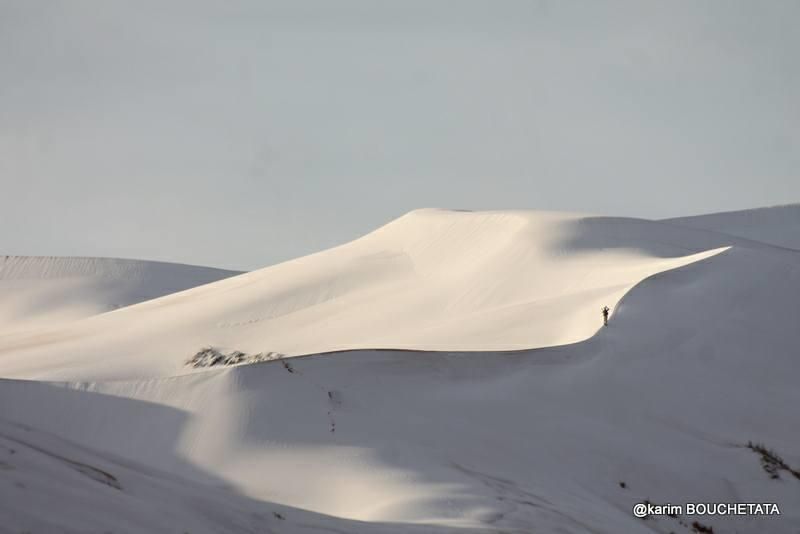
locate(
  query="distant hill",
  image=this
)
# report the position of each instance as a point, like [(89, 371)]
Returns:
[(778, 225), (45, 291)]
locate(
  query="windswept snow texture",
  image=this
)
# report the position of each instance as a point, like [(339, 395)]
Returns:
[(778, 225), (44, 291), (700, 358)]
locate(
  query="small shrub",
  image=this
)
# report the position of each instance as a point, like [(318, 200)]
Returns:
[(771, 462), (212, 356)]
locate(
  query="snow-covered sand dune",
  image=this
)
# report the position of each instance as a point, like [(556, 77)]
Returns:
[(777, 225), (700, 358), (43, 291), (432, 280)]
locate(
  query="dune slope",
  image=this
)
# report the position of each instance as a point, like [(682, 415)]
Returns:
[(431, 280), (777, 225), (700, 358), (40, 292)]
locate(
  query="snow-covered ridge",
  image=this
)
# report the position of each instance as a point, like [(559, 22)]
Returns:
[(776, 225), (37, 291), (49, 267)]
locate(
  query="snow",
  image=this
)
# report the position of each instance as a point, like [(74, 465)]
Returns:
[(459, 380), (431, 280), (44, 291), (777, 225)]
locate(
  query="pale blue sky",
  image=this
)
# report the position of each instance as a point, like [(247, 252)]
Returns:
[(239, 134)]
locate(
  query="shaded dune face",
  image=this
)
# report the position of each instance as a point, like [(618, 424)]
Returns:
[(778, 225), (431, 280)]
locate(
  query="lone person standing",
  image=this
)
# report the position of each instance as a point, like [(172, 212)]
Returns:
[(605, 315)]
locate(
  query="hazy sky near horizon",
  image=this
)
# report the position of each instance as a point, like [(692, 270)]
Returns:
[(239, 134)]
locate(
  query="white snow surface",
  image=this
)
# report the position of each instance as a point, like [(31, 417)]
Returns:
[(777, 225), (43, 291), (431, 280), (459, 379)]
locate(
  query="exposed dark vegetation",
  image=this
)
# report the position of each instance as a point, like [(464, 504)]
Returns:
[(212, 357), (98, 475), (771, 462)]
